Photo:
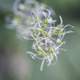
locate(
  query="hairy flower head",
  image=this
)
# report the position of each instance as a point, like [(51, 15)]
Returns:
[(35, 21)]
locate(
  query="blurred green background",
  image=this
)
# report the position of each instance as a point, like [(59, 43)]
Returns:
[(68, 65)]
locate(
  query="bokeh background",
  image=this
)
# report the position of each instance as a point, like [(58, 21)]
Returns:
[(16, 65)]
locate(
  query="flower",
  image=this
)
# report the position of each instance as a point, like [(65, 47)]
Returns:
[(34, 21)]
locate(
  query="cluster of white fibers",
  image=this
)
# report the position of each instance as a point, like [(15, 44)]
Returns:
[(34, 21)]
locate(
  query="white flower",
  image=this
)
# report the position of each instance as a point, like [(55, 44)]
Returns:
[(36, 23)]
